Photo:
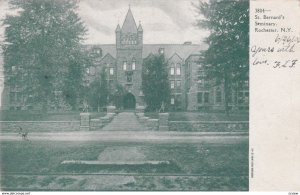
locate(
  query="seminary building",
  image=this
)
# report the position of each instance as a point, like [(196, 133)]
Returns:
[(123, 62)]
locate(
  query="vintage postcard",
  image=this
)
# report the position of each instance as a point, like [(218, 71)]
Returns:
[(149, 95)]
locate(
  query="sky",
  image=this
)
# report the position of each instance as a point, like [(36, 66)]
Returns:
[(163, 21)]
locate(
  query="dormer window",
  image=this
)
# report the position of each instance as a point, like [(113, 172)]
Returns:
[(161, 50), (124, 65)]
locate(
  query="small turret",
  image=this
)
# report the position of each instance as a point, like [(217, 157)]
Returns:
[(140, 29), (118, 36)]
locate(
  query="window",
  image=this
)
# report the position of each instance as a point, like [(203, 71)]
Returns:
[(133, 65), (206, 97), (199, 97), (124, 65), (172, 71), (98, 51), (178, 84), (172, 84), (218, 96), (199, 83), (13, 69), (172, 101), (111, 71), (129, 78), (161, 50), (178, 71)]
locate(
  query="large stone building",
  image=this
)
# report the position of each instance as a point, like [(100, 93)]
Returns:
[(123, 63)]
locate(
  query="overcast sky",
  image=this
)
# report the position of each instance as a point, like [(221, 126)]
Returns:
[(163, 21)]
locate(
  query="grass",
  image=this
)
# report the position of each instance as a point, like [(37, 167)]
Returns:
[(145, 168), (202, 116), (224, 165), (74, 116), (41, 116), (46, 156)]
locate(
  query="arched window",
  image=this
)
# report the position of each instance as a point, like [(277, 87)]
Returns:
[(124, 65), (133, 64), (111, 71), (178, 69)]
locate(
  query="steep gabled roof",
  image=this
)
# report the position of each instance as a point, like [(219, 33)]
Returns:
[(182, 50), (108, 57), (175, 57), (129, 25)]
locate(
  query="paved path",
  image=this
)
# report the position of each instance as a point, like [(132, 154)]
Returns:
[(134, 137), (124, 121)]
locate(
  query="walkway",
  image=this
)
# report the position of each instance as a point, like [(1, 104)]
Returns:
[(134, 137), (124, 121)]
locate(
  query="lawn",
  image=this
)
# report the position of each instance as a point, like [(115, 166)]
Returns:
[(225, 166), (22, 115), (202, 116)]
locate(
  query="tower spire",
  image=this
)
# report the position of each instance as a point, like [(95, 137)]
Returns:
[(129, 25)]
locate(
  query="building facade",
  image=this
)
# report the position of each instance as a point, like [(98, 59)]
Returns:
[(190, 90)]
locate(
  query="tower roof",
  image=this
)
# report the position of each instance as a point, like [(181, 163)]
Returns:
[(129, 25)]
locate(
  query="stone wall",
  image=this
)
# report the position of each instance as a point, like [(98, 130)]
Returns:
[(211, 126), (39, 126)]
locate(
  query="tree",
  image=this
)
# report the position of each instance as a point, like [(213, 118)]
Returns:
[(226, 59), (43, 53), (98, 91), (155, 82)]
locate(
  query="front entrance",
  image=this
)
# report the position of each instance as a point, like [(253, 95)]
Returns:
[(129, 101)]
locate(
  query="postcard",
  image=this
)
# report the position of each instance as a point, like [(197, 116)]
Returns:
[(149, 95)]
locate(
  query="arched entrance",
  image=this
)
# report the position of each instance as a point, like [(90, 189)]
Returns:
[(129, 101)]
